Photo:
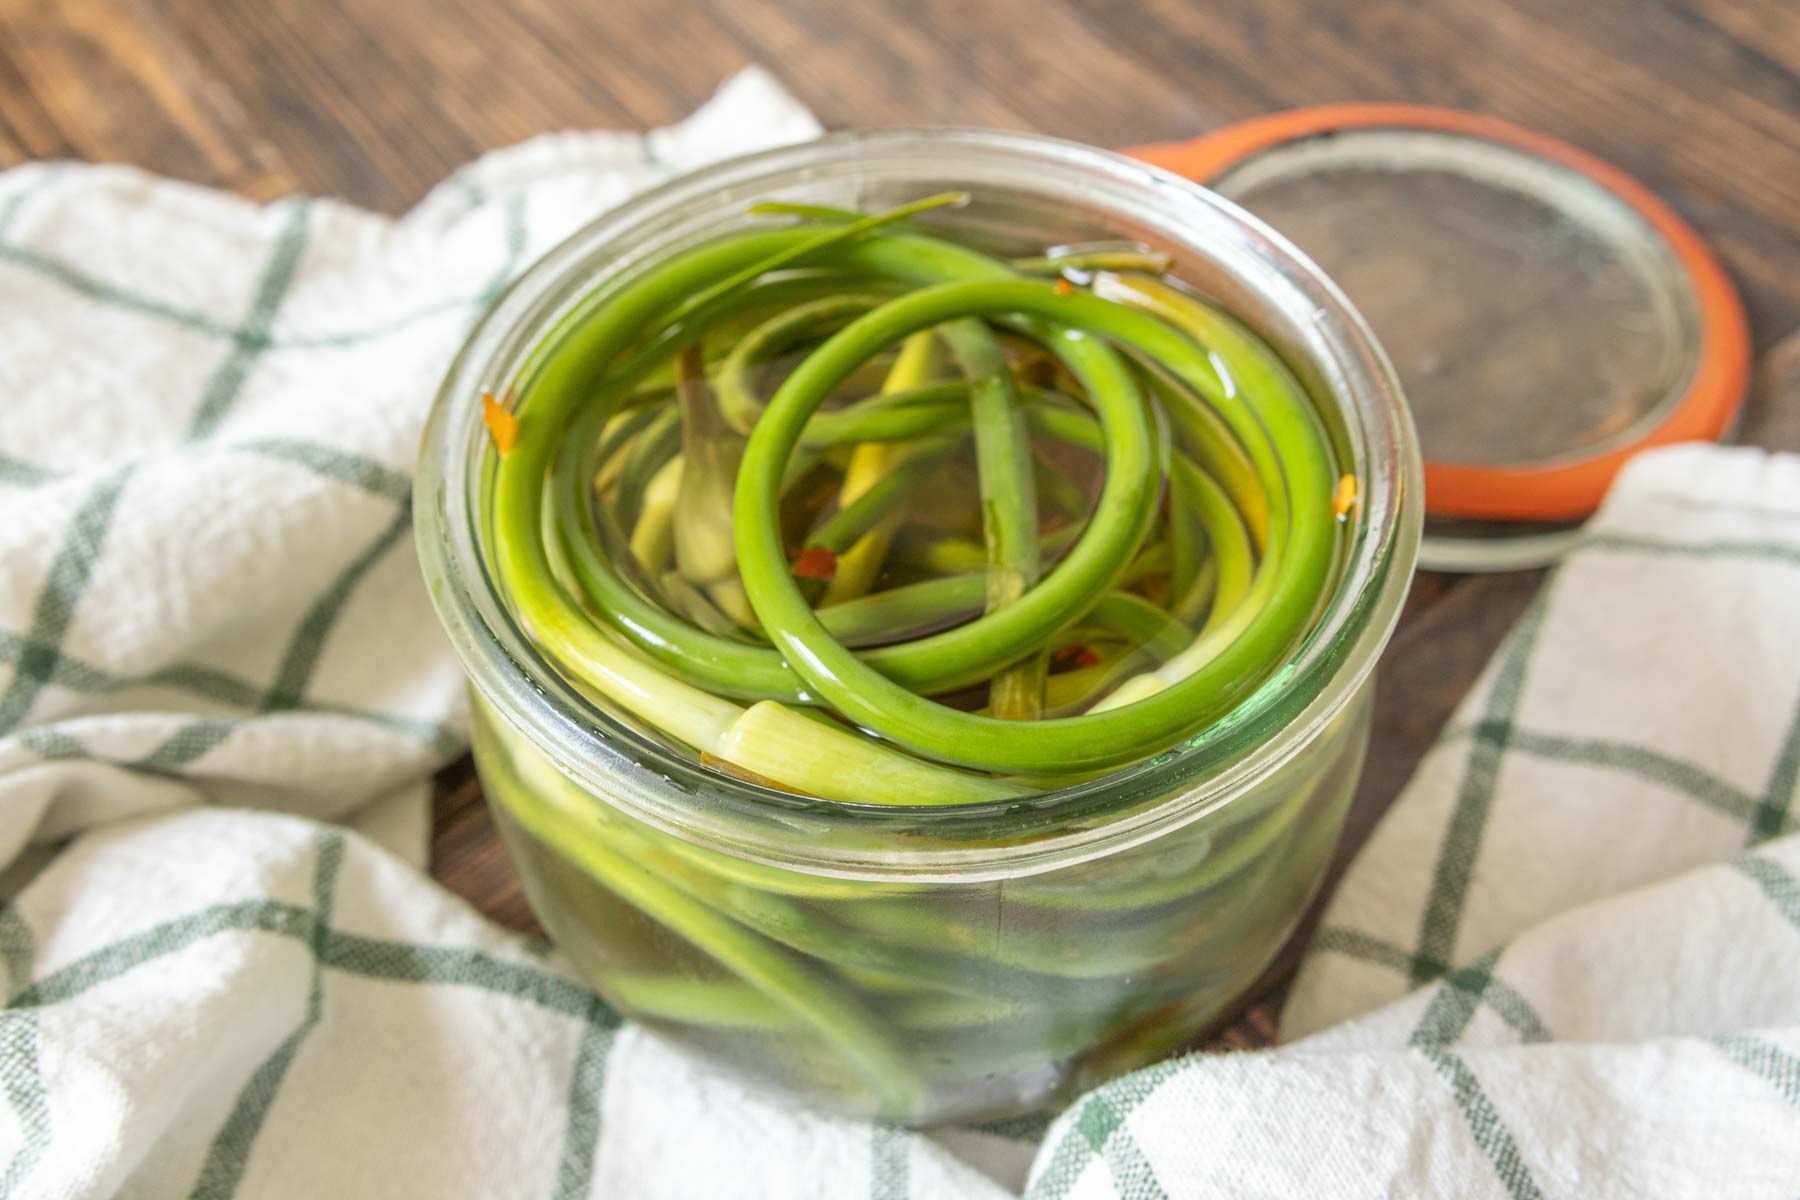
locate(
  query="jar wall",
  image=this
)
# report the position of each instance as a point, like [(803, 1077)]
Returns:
[(924, 1001)]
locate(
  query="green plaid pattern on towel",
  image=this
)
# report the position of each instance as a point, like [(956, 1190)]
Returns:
[(1568, 964), (1568, 961), (209, 591)]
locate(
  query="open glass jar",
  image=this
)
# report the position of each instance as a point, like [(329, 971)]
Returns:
[(923, 963)]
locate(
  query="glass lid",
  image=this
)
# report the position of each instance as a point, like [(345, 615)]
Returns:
[(1548, 317)]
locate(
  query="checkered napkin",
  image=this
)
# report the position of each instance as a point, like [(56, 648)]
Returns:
[(1569, 963)]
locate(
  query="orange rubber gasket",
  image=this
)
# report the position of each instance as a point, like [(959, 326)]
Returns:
[(1565, 490)]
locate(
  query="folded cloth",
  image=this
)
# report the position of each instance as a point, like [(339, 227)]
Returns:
[(1558, 969), (1568, 961), (213, 409)]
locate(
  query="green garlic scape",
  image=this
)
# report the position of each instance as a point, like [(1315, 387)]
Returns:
[(849, 508)]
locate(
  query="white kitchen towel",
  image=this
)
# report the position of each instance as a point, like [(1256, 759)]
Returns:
[(1568, 961), (1568, 964), (209, 413)]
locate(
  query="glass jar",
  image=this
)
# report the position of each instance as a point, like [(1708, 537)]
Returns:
[(924, 964)]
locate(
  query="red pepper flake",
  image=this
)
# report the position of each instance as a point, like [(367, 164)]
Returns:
[(503, 427), (815, 562), (1064, 287), (1345, 497), (1075, 656)]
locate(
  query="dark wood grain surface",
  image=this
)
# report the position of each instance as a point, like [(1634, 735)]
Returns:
[(375, 100)]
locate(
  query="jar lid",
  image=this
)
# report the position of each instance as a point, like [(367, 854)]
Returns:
[(1547, 315)]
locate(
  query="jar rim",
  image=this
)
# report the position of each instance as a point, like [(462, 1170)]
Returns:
[(610, 759)]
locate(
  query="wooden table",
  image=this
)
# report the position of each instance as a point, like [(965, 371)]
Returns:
[(375, 100)]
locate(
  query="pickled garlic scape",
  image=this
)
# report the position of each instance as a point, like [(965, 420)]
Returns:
[(865, 514)]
